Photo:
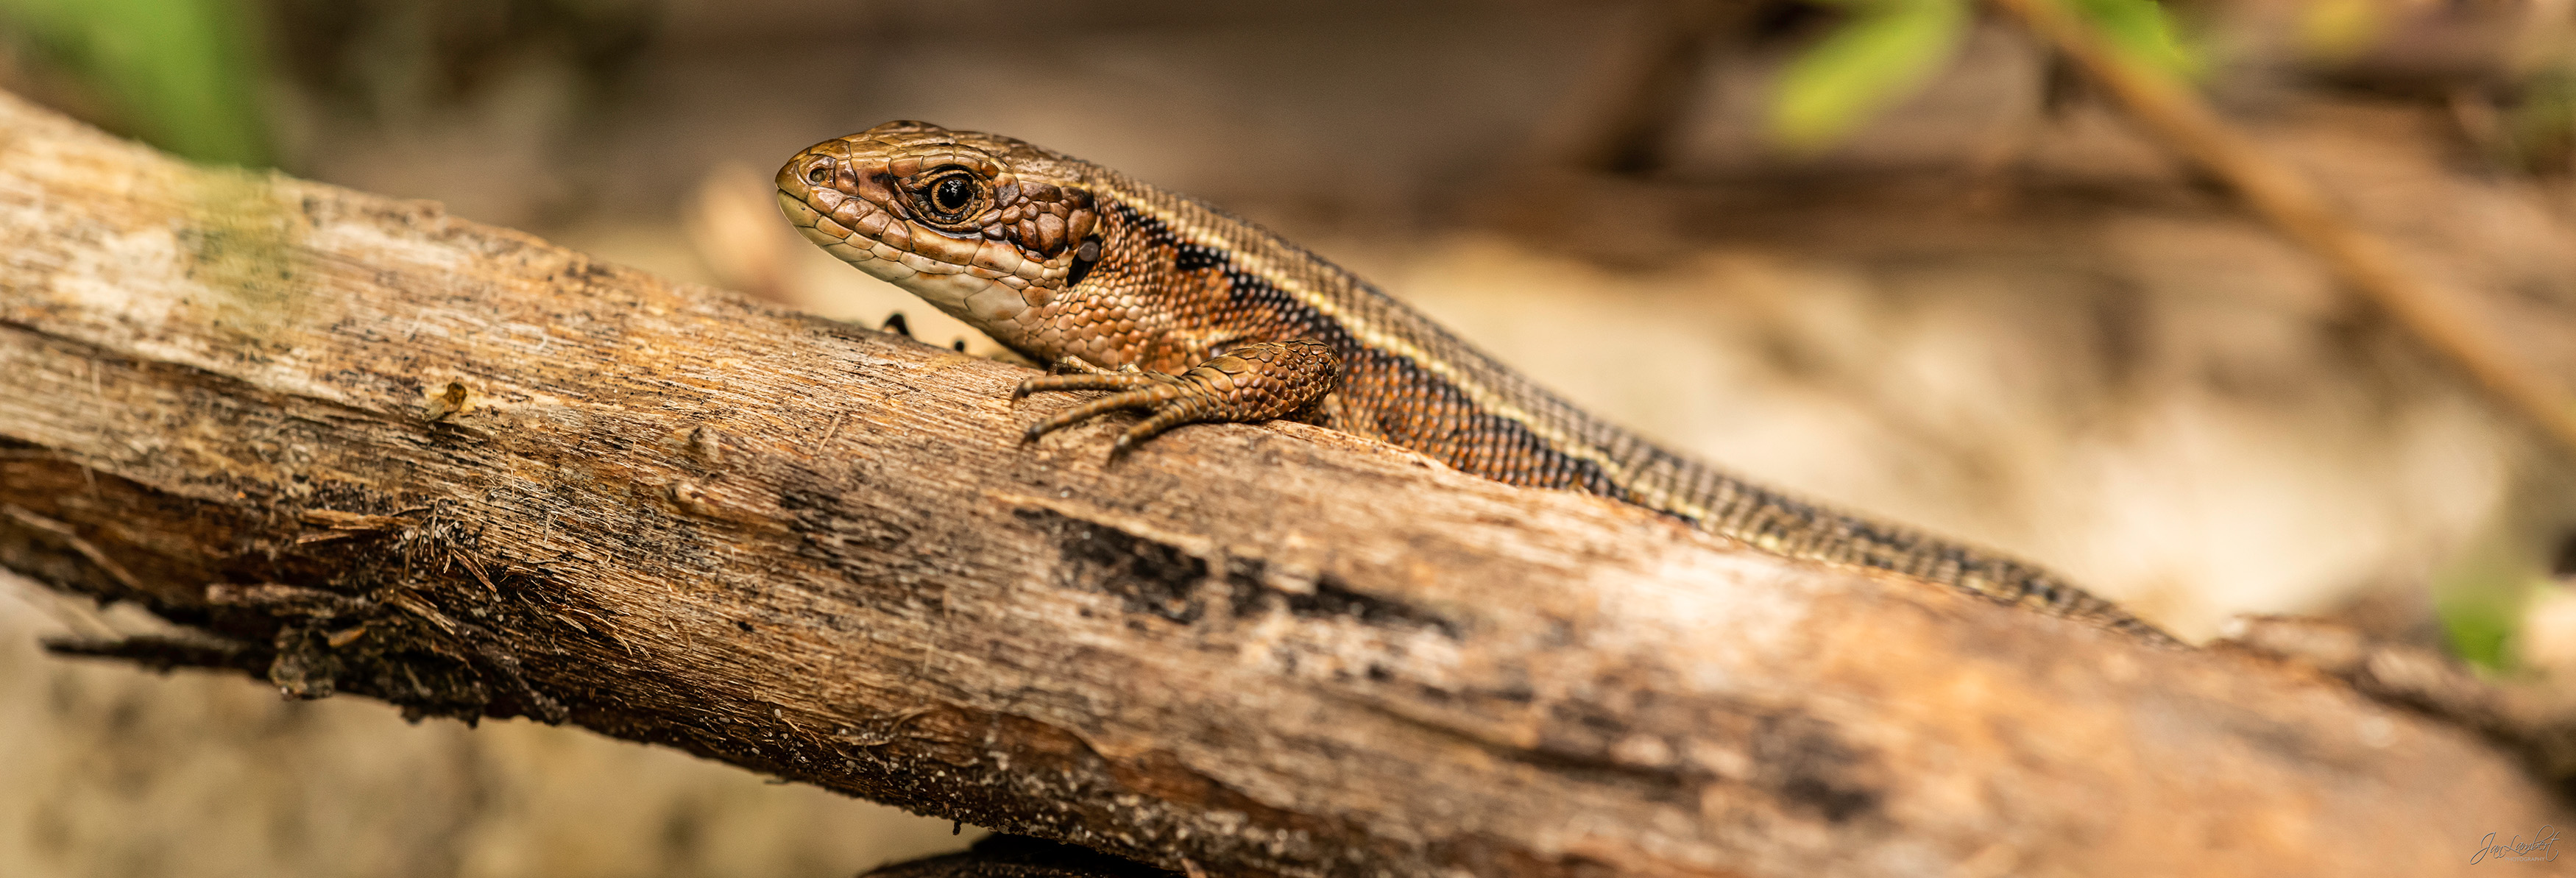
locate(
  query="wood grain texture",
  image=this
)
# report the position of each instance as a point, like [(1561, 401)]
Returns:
[(364, 447)]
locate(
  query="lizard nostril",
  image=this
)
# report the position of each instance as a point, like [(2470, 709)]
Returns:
[(819, 174)]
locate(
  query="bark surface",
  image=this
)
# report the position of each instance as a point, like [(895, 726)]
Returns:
[(354, 445)]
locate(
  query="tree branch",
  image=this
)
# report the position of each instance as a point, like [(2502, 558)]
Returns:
[(363, 447)]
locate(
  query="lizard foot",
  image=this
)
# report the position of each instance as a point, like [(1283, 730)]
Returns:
[(1255, 382)]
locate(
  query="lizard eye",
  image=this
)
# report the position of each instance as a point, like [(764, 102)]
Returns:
[(952, 195), (949, 197)]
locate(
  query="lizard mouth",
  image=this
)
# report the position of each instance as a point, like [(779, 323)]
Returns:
[(809, 221), (833, 237)]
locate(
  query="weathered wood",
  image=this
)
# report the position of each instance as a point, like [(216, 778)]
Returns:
[(364, 447)]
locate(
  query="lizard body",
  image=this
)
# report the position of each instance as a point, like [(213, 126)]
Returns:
[(1196, 315)]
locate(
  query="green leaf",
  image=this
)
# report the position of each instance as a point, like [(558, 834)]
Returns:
[(2481, 595), (1886, 52), (184, 73), (2481, 629)]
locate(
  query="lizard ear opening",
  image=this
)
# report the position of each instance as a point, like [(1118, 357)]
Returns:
[(1084, 258)]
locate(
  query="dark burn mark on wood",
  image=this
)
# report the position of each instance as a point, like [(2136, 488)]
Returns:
[(1795, 759), (1149, 576), (1801, 760), (1331, 598)]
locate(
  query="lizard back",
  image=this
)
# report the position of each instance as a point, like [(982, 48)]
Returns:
[(1060, 258)]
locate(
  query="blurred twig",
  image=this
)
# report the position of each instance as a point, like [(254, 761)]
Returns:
[(2168, 109)]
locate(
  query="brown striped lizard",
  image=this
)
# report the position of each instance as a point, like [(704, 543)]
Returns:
[(1193, 315)]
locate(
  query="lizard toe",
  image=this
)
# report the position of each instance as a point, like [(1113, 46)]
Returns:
[(1151, 396)]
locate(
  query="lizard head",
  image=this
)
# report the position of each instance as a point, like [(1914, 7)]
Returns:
[(979, 225)]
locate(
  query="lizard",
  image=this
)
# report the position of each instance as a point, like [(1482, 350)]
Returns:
[(1194, 315)]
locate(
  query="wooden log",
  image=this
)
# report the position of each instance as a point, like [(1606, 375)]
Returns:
[(354, 445)]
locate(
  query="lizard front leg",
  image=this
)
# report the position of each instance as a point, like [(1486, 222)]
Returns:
[(1255, 382)]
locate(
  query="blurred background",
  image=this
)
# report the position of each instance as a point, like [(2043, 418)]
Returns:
[(1887, 253)]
